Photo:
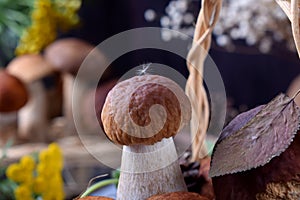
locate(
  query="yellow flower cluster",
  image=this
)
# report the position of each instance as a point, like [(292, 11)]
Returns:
[(66, 13), (47, 18), (22, 173), (49, 182), (42, 179)]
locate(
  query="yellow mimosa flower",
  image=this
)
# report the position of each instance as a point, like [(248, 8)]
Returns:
[(48, 17), (27, 163), (23, 192), (13, 171), (41, 179), (40, 185)]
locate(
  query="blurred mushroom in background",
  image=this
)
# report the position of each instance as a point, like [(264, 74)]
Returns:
[(67, 56), (13, 96), (34, 118)]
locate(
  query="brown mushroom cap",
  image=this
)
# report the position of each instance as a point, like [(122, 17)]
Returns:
[(66, 55), (13, 93), (178, 196), (29, 67), (129, 115)]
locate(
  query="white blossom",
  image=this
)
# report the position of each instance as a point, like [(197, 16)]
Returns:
[(258, 23)]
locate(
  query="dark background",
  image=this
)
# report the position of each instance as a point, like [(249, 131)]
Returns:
[(250, 78)]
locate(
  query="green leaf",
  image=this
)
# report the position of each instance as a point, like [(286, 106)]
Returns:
[(2, 171), (14, 27), (15, 15), (7, 188), (116, 173)]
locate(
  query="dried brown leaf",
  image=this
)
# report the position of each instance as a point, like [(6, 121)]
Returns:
[(253, 138)]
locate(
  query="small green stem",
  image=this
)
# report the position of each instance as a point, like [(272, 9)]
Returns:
[(99, 185)]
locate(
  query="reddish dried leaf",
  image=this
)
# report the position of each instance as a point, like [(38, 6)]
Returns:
[(253, 138)]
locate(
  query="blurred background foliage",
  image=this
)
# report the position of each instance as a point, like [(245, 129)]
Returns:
[(14, 18), (27, 26)]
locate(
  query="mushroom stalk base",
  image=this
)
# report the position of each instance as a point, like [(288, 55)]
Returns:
[(32, 119), (8, 127), (147, 170)]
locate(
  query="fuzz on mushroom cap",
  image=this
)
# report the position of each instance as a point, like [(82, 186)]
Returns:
[(29, 67), (144, 110), (13, 93)]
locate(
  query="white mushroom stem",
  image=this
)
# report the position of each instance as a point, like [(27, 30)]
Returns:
[(74, 102), (68, 86), (78, 91), (8, 126), (147, 170), (33, 122)]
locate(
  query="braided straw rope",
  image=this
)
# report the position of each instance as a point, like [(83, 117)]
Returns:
[(291, 9), (206, 21), (207, 18)]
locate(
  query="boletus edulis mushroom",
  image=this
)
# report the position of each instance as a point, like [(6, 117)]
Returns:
[(13, 96), (258, 154), (13, 93), (143, 113), (33, 119), (66, 56)]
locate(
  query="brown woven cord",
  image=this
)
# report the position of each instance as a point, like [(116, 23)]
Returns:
[(291, 9), (207, 18)]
